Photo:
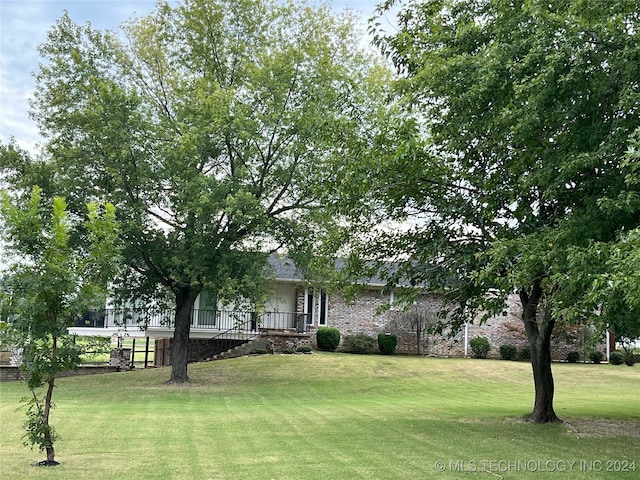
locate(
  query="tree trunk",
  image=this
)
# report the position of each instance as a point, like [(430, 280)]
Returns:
[(539, 336), (543, 411), (47, 437), (185, 299), (48, 441), (51, 454)]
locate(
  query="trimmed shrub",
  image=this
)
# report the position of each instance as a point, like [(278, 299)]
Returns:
[(573, 357), (480, 347), (260, 351), (629, 359), (288, 351), (304, 349), (616, 358), (387, 343), (328, 338), (596, 356), (360, 343), (525, 354), (508, 352)]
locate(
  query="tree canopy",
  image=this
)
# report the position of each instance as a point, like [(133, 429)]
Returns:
[(518, 115), (210, 126)]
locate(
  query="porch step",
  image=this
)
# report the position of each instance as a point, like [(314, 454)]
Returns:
[(242, 350)]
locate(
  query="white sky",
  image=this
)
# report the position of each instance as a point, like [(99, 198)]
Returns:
[(23, 26)]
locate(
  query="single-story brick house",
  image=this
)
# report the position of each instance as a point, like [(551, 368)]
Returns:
[(296, 310)]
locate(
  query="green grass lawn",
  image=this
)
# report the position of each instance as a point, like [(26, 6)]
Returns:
[(334, 416)]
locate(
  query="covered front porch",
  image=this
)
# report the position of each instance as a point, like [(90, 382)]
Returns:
[(158, 323), (213, 333)]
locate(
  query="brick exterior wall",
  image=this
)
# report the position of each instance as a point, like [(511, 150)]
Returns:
[(366, 315), (359, 316), (279, 342), (199, 349), (12, 372)]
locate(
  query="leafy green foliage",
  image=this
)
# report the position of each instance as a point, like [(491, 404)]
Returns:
[(610, 269), (50, 281), (360, 343), (630, 359), (596, 356), (211, 126), (328, 338), (616, 358), (524, 354), (38, 431), (508, 352), (480, 347), (517, 121), (573, 357), (304, 349), (387, 343)]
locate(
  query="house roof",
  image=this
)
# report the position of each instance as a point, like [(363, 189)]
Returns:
[(285, 269)]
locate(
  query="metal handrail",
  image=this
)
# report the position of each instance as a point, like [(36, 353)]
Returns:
[(249, 332)]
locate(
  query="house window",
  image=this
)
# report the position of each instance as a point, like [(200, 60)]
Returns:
[(316, 307), (308, 306), (322, 314), (392, 301)]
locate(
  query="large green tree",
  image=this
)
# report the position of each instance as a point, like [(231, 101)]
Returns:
[(607, 287), (210, 126), (517, 118), (50, 279)]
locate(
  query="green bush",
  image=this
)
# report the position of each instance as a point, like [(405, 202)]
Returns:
[(596, 356), (629, 359), (573, 357), (328, 339), (288, 351), (616, 358), (260, 351), (525, 354), (480, 347), (508, 352), (360, 343), (387, 343), (304, 349)]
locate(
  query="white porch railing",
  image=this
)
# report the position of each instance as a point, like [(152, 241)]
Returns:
[(219, 320)]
